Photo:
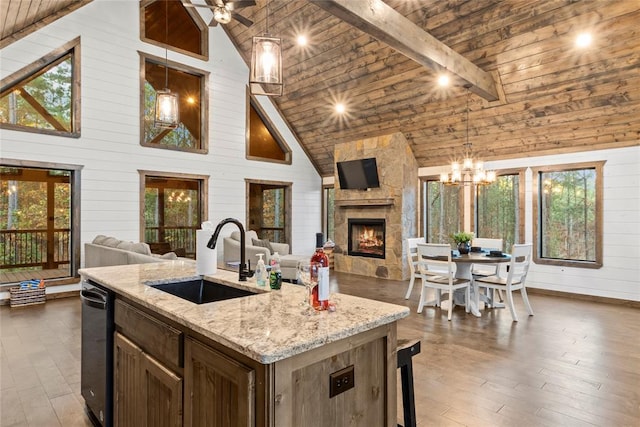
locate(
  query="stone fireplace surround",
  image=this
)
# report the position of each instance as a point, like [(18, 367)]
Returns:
[(396, 201)]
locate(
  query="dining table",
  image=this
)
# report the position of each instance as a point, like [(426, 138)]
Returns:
[(464, 263)]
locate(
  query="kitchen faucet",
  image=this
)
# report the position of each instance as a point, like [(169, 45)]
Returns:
[(243, 268)]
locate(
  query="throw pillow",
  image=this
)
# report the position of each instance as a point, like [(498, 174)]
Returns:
[(99, 239), (264, 243), (111, 242), (169, 255)]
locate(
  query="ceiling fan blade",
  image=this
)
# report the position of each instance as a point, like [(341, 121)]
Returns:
[(239, 4), (241, 19), (213, 22)]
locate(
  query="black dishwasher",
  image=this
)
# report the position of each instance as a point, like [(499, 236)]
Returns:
[(96, 374)]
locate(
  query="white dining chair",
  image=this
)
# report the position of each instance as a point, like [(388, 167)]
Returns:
[(515, 280), (437, 271), (484, 270), (412, 259)]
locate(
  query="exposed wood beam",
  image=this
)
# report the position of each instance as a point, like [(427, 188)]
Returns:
[(379, 20)]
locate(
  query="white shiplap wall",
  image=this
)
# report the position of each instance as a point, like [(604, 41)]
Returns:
[(620, 275), (109, 148)]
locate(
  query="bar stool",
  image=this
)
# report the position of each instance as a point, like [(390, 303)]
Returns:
[(405, 351)]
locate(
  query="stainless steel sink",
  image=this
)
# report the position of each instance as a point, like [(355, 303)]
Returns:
[(201, 291)]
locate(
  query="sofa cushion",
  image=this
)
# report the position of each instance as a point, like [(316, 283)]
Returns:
[(111, 242), (99, 239), (249, 236), (140, 247), (263, 243), (168, 255)]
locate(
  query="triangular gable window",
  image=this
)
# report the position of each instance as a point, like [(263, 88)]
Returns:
[(44, 97), (184, 32), (263, 140)]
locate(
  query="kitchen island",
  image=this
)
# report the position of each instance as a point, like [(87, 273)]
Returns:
[(262, 359)]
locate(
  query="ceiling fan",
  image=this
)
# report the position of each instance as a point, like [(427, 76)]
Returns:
[(225, 10)]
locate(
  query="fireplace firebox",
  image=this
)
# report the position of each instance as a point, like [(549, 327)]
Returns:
[(366, 237)]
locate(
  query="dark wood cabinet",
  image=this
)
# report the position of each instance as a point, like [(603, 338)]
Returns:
[(146, 392), (168, 375), (219, 391)]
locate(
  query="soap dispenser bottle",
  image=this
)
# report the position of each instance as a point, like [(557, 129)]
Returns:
[(261, 272)]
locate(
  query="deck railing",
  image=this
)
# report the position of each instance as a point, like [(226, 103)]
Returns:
[(178, 237), (34, 248)]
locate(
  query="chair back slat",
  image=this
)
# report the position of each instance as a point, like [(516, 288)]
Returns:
[(520, 261), (412, 252), (435, 258)]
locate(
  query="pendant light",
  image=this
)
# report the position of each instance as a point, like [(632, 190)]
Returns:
[(265, 75), (167, 114), (471, 171)]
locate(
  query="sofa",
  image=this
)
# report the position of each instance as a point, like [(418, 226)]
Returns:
[(255, 246), (106, 251)]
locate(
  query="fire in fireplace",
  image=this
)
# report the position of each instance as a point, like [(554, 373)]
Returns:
[(366, 237)]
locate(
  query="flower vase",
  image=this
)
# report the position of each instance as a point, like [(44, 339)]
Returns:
[(463, 248)]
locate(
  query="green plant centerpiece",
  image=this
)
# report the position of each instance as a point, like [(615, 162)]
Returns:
[(463, 240)]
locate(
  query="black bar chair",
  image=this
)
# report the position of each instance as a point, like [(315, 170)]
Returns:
[(405, 351)]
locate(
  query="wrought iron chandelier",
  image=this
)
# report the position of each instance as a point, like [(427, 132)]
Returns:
[(470, 171)]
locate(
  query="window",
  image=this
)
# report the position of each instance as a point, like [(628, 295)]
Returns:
[(263, 140), (269, 209), (173, 209), (37, 237), (500, 209), (329, 210), (44, 98), (191, 87), (441, 210), (568, 207), (187, 32)]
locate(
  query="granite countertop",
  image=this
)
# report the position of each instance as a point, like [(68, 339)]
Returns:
[(267, 327)]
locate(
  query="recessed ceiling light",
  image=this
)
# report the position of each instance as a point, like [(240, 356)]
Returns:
[(443, 80), (583, 40), (302, 40), (340, 108)]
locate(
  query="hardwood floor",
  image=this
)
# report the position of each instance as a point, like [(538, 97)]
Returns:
[(40, 365), (575, 363)]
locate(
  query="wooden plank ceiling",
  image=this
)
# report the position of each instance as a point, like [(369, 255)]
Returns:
[(21, 17), (554, 97)]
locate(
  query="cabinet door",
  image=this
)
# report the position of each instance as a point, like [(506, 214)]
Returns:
[(146, 392), (161, 395), (219, 391), (126, 382)]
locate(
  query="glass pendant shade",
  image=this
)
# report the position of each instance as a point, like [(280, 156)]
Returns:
[(166, 115), (266, 66)]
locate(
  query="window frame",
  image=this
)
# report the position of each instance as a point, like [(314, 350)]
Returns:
[(199, 22), (288, 204), (325, 211), (33, 70), (204, 102), (76, 210), (253, 102), (204, 193), (424, 223), (520, 172), (537, 212)]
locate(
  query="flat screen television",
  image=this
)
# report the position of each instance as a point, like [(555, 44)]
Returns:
[(358, 174)]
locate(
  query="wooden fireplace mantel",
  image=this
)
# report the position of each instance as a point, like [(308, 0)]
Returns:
[(345, 203)]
